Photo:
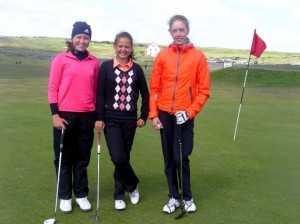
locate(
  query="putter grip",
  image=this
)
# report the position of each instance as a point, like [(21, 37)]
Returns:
[(62, 138), (99, 142)]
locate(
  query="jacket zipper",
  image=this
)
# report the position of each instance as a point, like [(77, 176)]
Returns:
[(176, 80)]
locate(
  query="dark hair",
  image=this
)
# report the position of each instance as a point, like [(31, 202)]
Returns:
[(180, 18), (70, 46), (127, 35)]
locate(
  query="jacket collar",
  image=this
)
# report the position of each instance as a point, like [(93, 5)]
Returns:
[(186, 47), (69, 54)]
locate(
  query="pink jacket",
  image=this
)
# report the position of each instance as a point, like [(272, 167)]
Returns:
[(72, 83)]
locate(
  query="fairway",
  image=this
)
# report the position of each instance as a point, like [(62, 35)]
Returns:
[(253, 180)]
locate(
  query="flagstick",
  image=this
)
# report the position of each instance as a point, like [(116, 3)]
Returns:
[(238, 116)]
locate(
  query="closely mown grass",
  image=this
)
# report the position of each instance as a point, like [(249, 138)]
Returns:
[(253, 180)]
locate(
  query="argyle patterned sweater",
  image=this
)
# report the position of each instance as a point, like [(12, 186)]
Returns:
[(118, 93)]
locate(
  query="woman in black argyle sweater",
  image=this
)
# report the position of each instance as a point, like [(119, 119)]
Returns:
[(120, 82)]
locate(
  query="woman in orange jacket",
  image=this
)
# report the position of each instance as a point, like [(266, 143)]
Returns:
[(179, 88)]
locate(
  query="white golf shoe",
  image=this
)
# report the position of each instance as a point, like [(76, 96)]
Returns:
[(134, 196), (84, 204), (171, 206), (66, 205), (120, 205), (189, 206)]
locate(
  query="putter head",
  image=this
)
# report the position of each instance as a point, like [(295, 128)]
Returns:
[(96, 218), (49, 221), (183, 212)]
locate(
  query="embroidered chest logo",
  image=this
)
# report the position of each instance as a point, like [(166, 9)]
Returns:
[(123, 90)]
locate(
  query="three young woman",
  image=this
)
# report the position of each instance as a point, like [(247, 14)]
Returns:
[(180, 86)]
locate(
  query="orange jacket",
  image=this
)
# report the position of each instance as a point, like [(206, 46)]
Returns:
[(180, 80)]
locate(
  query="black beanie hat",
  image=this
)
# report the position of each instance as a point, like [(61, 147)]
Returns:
[(81, 27)]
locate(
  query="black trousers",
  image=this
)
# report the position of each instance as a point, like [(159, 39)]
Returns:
[(119, 136), (171, 153), (76, 153)]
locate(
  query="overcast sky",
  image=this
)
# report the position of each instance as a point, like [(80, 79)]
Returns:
[(213, 23)]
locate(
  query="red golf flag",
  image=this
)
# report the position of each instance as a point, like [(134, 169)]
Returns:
[(258, 45)]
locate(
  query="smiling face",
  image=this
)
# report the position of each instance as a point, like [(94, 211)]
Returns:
[(123, 48), (179, 32), (81, 42)]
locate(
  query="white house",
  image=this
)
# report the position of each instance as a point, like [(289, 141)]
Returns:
[(227, 64), (152, 50)]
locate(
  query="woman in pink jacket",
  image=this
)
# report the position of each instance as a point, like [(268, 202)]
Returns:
[(72, 98)]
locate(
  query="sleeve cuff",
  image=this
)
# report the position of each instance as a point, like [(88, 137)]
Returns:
[(54, 108)]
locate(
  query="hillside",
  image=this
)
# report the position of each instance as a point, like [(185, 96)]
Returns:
[(48, 47)]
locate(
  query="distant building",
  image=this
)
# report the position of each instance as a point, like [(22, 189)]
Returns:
[(227, 64), (152, 50), (212, 60)]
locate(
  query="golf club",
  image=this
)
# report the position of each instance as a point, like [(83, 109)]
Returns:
[(183, 211), (96, 217), (52, 221)]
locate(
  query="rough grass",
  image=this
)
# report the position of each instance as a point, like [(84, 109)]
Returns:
[(105, 50)]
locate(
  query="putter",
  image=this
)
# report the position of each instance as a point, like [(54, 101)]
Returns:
[(183, 211), (96, 217), (52, 221)]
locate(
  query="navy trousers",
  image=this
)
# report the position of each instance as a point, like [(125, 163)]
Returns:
[(171, 153), (76, 153), (119, 136)]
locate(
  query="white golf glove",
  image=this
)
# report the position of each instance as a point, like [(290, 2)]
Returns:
[(181, 117)]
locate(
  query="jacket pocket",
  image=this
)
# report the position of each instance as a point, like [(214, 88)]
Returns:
[(160, 93), (191, 94)]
